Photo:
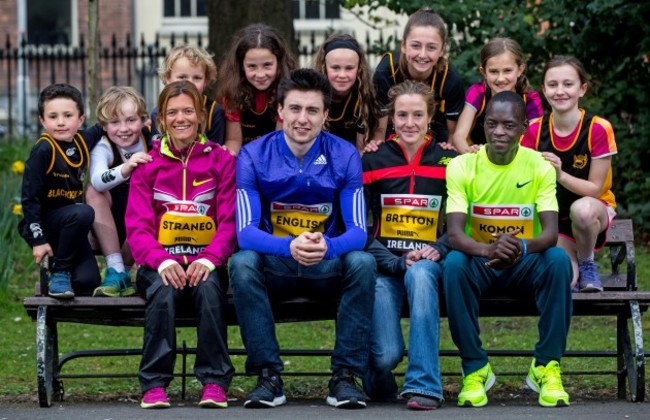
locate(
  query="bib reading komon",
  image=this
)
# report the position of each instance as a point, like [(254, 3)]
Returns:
[(487, 220)]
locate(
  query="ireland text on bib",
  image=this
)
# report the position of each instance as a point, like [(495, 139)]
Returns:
[(409, 221)]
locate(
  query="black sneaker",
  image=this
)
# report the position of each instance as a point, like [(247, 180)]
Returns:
[(268, 393), (343, 391)]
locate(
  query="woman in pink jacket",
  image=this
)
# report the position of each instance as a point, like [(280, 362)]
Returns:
[(180, 224)]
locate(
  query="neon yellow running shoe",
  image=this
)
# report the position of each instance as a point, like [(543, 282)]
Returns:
[(546, 380), (475, 386)]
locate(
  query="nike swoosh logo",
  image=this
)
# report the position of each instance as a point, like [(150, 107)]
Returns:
[(525, 183), (196, 183)]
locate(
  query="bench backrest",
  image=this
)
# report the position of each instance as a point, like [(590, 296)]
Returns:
[(620, 241)]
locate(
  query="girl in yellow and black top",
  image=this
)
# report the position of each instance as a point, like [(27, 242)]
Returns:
[(56, 222), (421, 58), (353, 115)]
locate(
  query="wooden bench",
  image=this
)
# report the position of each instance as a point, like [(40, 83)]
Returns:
[(620, 299)]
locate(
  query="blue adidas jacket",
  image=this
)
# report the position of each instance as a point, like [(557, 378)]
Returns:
[(328, 182)]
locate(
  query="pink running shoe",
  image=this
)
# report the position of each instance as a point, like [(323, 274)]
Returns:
[(155, 398), (214, 396)]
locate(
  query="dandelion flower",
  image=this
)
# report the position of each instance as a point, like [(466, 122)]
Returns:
[(18, 167), (17, 209)]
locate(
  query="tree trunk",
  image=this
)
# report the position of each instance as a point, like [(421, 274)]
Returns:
[(93, 60), (227, 17)]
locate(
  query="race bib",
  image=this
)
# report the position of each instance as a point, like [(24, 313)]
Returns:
[(294, 219), (185, 229), (489, 220), (409, 221)]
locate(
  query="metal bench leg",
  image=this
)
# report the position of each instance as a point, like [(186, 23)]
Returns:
[(631, 361), (47, 359), (637, 394), (624, 359)]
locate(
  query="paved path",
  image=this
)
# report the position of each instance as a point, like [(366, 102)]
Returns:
[(317, 410)]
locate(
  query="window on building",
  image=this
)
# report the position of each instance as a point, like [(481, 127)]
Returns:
[(316, 9), (49, 23), (184, 17), (184, 8)]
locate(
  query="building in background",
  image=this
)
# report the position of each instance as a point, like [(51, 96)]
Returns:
[(313, 21), (134, 35)]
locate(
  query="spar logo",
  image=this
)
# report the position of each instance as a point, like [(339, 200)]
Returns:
[(323, 208), (422, 202), (186, 208), (498, 211), (503, 212)]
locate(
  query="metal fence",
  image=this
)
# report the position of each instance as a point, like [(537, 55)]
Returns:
[(28, 68)]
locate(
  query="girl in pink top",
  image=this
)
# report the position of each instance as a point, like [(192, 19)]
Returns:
[(503, 67)]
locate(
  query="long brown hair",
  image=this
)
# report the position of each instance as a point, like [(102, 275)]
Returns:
[(424, 17), (497, 46), (369, 110), (569, 60), (235, 91)]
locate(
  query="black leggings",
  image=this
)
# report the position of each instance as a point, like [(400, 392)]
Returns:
[(66, 230)]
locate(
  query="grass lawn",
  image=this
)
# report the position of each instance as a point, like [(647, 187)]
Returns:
[(17, 354)]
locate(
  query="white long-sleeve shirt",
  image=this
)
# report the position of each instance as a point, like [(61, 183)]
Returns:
[(104, 175)]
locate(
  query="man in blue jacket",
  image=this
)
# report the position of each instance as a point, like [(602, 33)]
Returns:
[(301, 228)]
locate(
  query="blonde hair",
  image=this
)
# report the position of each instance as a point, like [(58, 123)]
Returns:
[(196, 55), (110, 103)]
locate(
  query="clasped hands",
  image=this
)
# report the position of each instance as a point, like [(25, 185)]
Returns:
[(505, 251), (178, 277), (427, 252), (308, 248)]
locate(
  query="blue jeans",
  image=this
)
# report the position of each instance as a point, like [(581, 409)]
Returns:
[(420, 287), (257, 279), (545, 276)]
